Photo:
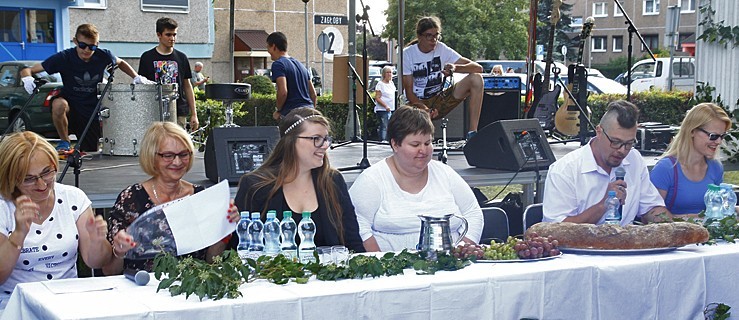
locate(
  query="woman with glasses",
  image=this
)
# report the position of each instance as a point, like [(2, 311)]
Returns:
[(385, 100), (42, 223), (690, 163), (389, 195), (297, 177), (166, 155)]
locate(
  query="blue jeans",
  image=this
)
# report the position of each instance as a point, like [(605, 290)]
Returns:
[(383, 117)]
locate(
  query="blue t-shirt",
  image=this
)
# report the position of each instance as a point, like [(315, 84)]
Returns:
[(80, 78), (689, 193), (298, 79)]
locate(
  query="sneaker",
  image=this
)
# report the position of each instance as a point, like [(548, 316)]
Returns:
[(63, 146), (471, 134)]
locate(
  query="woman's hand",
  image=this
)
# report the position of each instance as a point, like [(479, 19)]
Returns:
[(97, 229), (25, 211), (122, 242), (233, 215)]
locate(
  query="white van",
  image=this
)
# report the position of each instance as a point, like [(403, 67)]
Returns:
[(648, 74)]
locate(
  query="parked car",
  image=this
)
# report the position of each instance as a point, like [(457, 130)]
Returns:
[(37, 115), (316, 79), (648, 74), (600, 85)]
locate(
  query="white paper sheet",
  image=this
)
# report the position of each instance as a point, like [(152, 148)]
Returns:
[(62, 286), (199, 220)]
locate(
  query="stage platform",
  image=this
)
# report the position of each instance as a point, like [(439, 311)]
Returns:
[(102, 177)]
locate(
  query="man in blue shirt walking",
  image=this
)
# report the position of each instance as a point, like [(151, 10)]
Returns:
[(294, 88)]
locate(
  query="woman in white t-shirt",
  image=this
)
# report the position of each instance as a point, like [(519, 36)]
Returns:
[(42, 223), (389, 195), (385, 100)]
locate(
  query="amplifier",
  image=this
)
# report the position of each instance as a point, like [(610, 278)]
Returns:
[(654, 136), (502, 83)]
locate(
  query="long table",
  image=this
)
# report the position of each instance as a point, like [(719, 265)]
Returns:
[(673, 285)]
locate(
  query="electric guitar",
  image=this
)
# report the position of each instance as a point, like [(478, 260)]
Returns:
[(546, 105), (567, 118)]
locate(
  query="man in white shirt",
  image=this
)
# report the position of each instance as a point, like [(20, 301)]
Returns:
[(427, 62), (577, 184)]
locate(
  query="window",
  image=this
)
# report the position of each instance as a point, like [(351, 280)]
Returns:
[(618, 43), (685, 38), (687, 6), (576, 22), (652, 41), (166, 5), (616, 11), (600, 9), (645, 70), (651, 7), (599, 44), (683, 68), (93, 4), (40, 26)]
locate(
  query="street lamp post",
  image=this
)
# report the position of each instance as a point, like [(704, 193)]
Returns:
[(306, 34)]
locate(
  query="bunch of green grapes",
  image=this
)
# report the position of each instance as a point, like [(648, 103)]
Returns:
[(501, 251)]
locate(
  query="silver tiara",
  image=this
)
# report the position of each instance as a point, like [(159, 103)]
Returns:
[(297, 123)]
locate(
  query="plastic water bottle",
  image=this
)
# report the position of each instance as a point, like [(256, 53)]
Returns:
[(256, 236), (289, 231), (728, 198), (713, 202), (613, 216), (242, 230), (272, 234), (307, 231)]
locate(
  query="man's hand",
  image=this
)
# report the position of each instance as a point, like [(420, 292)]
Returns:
[(28, 84), (139, 79), (448, 69), (276, 115), (194, 124)]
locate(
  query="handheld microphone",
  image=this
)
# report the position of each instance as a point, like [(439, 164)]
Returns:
[(140, 277), (620, 174)]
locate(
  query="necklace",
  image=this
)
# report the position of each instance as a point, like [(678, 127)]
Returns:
[(156, 196)]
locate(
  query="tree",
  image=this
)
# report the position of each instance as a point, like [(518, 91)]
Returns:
[(476, 29), (376, 48), (562, 28)]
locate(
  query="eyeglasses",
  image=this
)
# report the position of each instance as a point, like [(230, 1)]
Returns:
[(169, 156), (432, 36), (618, 144), (84, 46), (319, 141), (46, 176), (714, 136)]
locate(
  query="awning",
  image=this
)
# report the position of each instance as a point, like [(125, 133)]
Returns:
[(250, 40)]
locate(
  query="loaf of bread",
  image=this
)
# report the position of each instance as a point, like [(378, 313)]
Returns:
[(607, 236)]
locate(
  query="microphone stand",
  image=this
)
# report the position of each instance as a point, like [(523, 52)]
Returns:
[(38, 83), (364, 163), (75, 159), (632, 30)]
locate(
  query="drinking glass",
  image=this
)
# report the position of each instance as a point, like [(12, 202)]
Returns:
[(325, 255), (340, 254)]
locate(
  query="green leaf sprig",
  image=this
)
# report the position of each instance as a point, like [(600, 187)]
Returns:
[(190, 276)]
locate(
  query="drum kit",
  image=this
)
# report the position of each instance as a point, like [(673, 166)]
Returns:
[(128, 110)]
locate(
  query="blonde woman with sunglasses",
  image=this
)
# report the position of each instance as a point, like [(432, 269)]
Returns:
[(690, 162)]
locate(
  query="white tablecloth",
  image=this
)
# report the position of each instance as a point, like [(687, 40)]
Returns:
[(673, 285)]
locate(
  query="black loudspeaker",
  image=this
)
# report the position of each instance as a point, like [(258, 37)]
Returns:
[(231, 152), (503, 145), (501, 99), (457, 127)]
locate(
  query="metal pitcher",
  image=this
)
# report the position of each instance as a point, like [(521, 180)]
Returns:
[(436, 235)]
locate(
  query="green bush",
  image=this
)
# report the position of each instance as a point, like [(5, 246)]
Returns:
[(260, 84), (654, 106)]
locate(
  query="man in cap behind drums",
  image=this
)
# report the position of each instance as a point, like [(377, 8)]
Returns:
[(81, 68), (166, 65)]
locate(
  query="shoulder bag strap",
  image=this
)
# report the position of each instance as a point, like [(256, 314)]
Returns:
[(674, 186)]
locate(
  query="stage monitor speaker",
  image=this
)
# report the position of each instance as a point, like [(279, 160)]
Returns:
[(501, 145), (231, 152), (342, 73), (499, 105)]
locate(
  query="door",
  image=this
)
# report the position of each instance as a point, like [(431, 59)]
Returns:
[(27, 34)]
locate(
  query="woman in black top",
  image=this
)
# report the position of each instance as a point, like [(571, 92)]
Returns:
[(298, 177)]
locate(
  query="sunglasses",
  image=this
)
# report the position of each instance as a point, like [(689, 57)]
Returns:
[(714, 136), (84, 46)]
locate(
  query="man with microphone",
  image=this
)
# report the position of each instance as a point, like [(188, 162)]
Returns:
[(82, 68), (578, 183)]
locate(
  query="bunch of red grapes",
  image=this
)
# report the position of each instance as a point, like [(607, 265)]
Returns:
[(534, 247), (468, 250)]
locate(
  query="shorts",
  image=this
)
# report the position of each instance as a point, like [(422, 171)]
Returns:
[(443, 102)]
